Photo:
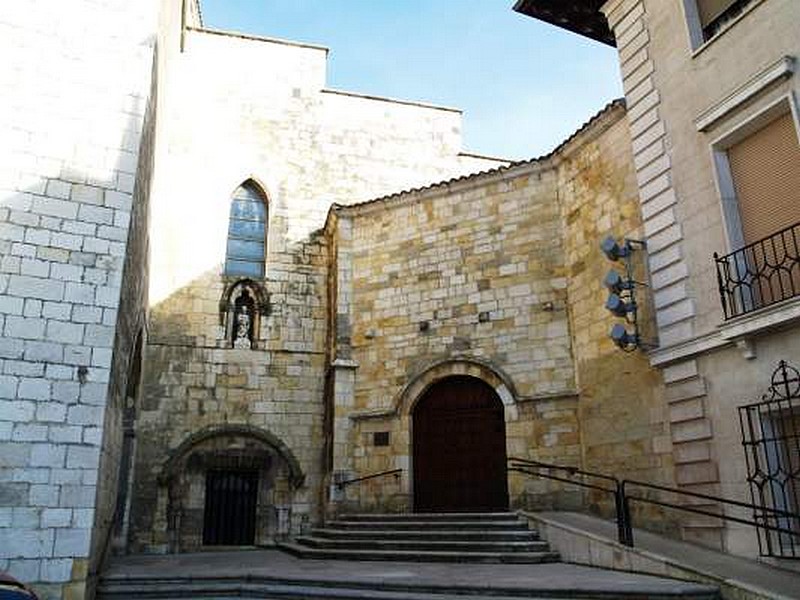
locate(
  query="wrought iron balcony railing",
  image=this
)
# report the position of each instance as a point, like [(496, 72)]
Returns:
[(760, 274)]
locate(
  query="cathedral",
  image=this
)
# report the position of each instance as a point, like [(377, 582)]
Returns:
[(234, 307)]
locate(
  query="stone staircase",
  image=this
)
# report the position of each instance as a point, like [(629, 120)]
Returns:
[(425, 537), (474, 556)]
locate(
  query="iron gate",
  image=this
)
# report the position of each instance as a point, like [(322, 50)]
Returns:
[(230, 509), (771, 439)]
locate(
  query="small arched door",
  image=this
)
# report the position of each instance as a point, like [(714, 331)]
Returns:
[(459, 448)]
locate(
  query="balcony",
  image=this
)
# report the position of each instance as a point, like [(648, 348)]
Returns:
[(760, 274)]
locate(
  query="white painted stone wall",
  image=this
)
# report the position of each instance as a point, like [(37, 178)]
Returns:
[(75, 77), (244, 107)]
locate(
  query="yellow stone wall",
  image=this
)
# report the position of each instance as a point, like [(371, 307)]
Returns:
[(623, 423), (499, 276)]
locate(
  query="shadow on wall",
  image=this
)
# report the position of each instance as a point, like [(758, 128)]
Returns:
[(197, 375), (74, 294)]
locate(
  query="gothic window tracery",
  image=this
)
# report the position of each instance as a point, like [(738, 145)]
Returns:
[(247, 233)]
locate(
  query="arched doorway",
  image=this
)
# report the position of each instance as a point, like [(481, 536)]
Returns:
[(459, 448), (229, 485)]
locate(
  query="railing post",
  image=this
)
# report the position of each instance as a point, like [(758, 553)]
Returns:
[(624, 526)]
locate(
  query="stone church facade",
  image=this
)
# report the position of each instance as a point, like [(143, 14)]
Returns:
[(227, 289)]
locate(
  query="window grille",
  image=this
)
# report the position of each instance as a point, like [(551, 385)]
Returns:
[(771, 440)]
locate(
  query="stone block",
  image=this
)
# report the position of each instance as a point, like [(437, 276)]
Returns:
[(35, 287), (56, 517), (33, 308), (53, 207), (67, 434), (64, 332), (10, 305), (118, 200), (65, 272), (83, 517), (58, 189), (8, 389), (77, 355), (47, 455), (66, 476), (23, 368), (24, 328), (25, 569), (688, 431), (34, 268), (57, 310), (56, 570), (83, 457), (77, 496), (44, 495), (25, 543), (99, 336), (43, 351), (29, 433), (56, 372), (13, 494), (87, 194), (66, 391), (96, 214), (684, 390), (71, 542), (33, 389), (11, 348), (85, 415), (66, 241), (14, 455)]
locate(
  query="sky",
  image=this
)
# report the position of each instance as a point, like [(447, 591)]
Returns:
[(524, 86)]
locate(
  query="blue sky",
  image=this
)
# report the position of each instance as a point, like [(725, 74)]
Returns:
[(524, 86)]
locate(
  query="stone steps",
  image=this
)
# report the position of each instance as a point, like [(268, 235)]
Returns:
[(426, 537), (425, 534), (222, 588), (449, 544)]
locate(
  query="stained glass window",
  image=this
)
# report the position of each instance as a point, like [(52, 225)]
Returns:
[(246, 233)]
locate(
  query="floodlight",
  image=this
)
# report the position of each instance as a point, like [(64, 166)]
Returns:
[(622, 338), (613, 250), (615, 283), (617, 306)]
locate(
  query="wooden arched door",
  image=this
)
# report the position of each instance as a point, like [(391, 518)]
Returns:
[(459, 448)]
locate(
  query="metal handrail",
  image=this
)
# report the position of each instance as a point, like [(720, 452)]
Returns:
[(342, 484), (621, 507), (717, 499), (622, 498)]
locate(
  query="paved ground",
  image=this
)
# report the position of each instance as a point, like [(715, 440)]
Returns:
[(273, 563), (777, 582)]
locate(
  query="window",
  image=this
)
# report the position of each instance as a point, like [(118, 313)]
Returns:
[(708, 17), (765, 167), (758, 165), (247, 233)]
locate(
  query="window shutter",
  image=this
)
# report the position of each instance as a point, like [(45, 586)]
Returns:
[(711, 9), (766, 175)]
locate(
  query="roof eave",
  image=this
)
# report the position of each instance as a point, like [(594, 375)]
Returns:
[(578, 16)]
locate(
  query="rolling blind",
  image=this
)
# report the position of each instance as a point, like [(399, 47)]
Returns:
[(766, 175), (711, 9)]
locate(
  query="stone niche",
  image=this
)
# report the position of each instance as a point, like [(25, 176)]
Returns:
[(227, 452)]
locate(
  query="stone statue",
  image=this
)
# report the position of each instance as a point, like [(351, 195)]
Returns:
[(242, 339)]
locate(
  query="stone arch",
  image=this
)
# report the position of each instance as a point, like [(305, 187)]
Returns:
[(483, 370), (261, 472), (257, 183), (172, 464)]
